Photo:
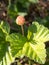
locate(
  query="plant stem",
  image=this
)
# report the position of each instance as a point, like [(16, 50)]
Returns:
[(22, 30)]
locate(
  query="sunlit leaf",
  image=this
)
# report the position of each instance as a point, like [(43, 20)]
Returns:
[(35, 52), (38, 32)]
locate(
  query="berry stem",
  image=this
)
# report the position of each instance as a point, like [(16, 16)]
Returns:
[(22, 30)]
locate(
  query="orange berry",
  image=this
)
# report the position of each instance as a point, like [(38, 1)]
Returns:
[(20, 20)]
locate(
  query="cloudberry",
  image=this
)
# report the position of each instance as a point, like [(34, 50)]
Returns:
[(20, 20)]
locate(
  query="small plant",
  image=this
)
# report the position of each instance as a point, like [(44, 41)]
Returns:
[(14, 45)]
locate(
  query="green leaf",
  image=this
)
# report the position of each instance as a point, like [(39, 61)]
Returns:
[(2, 35), (35, 51), (3, 49), (5, 27), (5, 54), (17, 42), (37, 35), (38, 32)]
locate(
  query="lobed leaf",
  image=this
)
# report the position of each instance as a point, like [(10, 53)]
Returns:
[(35, 51), (17, 42), (37, 35), (38, 32)]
